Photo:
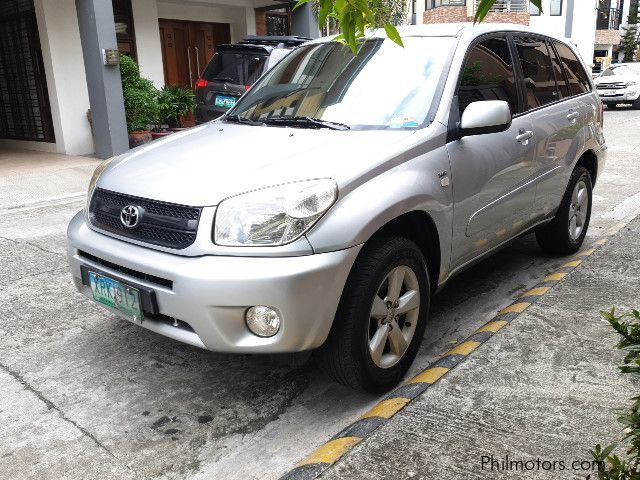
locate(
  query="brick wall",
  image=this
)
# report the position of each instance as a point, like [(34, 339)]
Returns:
[(459, 14), (261, 22), (446, 15), (608, 37)]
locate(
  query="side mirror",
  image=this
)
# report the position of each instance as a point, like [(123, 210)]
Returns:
[(488, 116)]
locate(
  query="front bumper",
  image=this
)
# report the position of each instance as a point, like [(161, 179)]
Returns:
[(626, 95), (209, 295)]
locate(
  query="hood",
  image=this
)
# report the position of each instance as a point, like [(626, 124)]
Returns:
[(206, 164), (617, 79)]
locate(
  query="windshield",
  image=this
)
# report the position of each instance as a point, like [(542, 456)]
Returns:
[(622, 70), (239, 68), (385, 86)]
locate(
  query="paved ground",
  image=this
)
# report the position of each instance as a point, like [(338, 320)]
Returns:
[(545, 388), (78, 383)]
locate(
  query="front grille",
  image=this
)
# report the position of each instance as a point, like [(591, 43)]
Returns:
[(127, 271), (164, 224), (611, 86)]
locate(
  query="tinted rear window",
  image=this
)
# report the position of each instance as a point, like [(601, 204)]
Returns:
[(578, 79), (235, 67), (539, 80)]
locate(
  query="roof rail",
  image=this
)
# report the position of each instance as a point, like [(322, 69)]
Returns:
[(275, 41)]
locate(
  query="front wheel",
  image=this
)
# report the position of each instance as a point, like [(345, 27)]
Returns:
[(565, 234), (381, 318)]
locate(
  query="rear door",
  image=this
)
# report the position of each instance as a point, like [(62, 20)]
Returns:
[(491, 173), (558, 119)]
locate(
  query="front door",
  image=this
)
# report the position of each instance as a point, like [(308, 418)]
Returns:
[(187, 48), (491, 173)]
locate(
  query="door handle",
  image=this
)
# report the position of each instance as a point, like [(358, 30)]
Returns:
[(573, 116), (189, 62), (524, 136)]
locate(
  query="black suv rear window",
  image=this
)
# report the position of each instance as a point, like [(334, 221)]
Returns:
[(239, 68)]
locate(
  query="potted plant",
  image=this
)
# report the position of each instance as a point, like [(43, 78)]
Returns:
[(175, 103), (140, 102)]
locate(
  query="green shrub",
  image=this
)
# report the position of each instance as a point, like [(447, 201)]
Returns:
[(611, 466), (174, 103), (140, 96)]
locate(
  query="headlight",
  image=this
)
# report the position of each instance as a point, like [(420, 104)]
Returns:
[(631, 82), (94, 180), (273, 216)]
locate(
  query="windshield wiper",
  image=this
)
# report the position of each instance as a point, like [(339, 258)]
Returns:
[(306, 122), (239, 119)]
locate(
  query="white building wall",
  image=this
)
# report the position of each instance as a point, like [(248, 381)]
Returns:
[(148, 49), (66, 81), (583, 31), (146, 14)]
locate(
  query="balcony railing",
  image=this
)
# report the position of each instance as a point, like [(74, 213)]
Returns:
[(429, 4), (508, 6), (609, 18)]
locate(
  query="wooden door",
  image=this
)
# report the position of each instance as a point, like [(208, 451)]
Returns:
[(175, 53), (187, 48)]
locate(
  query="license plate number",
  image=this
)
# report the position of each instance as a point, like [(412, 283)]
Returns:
[(115, 294), (608, 93), (225, 101)]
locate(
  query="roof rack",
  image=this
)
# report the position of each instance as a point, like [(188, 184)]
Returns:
[(287, 41)]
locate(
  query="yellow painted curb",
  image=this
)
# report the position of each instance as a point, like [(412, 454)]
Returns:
[(586, 253), (515, 308), (331, 451), (464, 348), (430, 375), (555, 277), (493, 326), (574, 263), (536, 292), (387, 408)]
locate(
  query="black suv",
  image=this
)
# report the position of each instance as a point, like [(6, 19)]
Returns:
[(234, 68)]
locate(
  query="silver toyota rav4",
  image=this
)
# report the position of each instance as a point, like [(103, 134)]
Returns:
[(341, 192)]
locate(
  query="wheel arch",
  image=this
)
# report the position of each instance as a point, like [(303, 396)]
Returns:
[(419, 227), (589, 160)]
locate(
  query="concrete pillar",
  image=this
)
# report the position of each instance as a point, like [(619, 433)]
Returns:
[(420, 4), (568, 25), (250, 19), (304, 22), (97, 32)]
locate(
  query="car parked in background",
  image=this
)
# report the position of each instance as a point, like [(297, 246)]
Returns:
[(327, 207), (234, 68), (620, 83)]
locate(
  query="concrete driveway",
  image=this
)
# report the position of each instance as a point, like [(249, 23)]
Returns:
[(88, 396)]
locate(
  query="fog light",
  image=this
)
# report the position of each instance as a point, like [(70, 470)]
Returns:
[(263, 321)]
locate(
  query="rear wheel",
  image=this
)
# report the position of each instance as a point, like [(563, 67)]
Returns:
[(381, 317), (565, 233)]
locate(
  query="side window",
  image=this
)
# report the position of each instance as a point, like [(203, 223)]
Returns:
[(578, 79), (537, 70), (488, 75), (563, 87)]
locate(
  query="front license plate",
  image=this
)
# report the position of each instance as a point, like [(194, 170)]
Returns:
[(116, 295), (225, 101), (608, 93)]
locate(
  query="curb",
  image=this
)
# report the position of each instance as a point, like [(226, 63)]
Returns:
[(330, 452)]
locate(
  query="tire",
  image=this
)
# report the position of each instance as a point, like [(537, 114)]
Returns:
[(363, 317), (558, 237), (636, 104)]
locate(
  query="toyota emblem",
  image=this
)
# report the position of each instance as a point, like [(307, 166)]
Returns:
[(130, 216)]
